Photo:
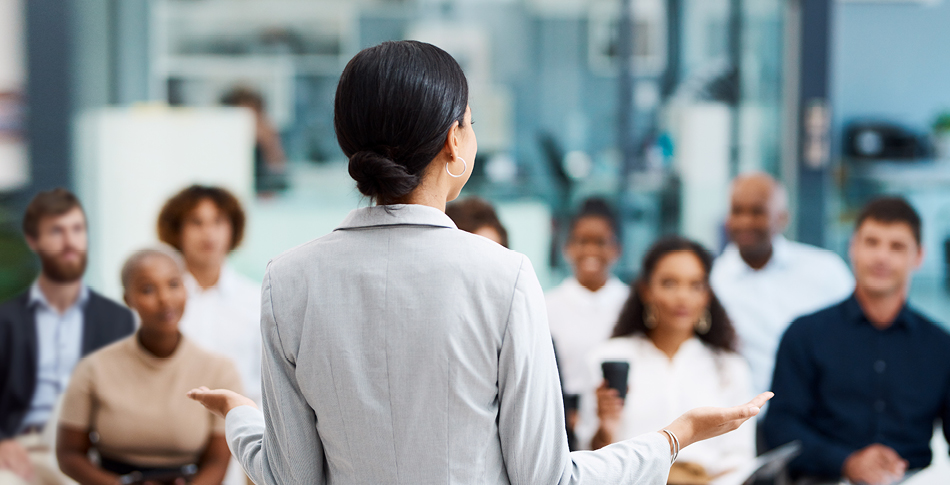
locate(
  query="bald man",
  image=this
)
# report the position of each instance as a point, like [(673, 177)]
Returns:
[(766, 281)]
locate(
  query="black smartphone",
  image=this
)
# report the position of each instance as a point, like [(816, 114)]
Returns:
[(571, 402), (615, 373)]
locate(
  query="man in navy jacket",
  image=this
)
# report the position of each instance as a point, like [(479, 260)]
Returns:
[(46, 330), (861, 383)]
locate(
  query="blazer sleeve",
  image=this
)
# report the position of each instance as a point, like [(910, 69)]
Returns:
[(6, 370), (531, 410), (280, 445)]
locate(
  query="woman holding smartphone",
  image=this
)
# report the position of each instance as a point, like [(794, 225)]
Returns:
[(131, 394), (680, 347), (398, 349)]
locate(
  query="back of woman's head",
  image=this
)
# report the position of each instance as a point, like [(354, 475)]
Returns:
[(394, 107), (721, 334)]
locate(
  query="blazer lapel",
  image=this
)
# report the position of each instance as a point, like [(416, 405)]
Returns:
[(89, 333), (31, 335)]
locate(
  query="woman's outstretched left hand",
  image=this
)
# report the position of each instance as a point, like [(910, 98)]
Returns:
[(220, 401)]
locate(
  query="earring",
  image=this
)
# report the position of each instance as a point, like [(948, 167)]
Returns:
[(704, 324), (464, 168), (649, 317)]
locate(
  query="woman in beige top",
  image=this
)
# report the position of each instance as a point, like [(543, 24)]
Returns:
[(132, 393)]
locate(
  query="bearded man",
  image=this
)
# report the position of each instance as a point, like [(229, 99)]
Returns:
[(43, 334)]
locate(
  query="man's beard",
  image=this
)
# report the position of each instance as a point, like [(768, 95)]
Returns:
[(63, 272)]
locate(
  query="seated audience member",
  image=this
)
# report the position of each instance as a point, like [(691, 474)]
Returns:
[(583, 310), (477, 216), (43, 334), (680, 347), (224, 308), (270, 163), (764, 280), (131, 394), (862, 382)]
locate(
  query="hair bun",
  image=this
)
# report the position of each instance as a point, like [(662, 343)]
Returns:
[(379, 177)]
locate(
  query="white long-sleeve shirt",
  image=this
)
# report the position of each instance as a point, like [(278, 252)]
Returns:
[(399, 349), (581, 320), (226, 319)]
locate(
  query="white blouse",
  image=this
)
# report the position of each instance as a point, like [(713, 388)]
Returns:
[(661, 389)]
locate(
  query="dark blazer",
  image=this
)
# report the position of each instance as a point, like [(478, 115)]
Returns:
[(104, 322)]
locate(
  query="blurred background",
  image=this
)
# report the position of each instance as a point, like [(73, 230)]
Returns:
[(653, 104)]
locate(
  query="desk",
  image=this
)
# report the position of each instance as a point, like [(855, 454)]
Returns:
[(938, 473)]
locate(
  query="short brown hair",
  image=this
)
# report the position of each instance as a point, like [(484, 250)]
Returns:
[(474, 213), (54, 202), (173, 214), (891, 210)]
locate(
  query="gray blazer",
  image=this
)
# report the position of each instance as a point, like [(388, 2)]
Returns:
[(399, 349)]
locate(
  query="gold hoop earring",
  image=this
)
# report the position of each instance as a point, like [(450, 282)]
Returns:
[(704, 323), (649, 317)]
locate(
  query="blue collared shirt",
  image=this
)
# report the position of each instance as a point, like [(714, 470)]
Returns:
[(841, 384), (60, 348)]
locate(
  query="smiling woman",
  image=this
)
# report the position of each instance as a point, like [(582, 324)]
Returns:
[(127, 391)]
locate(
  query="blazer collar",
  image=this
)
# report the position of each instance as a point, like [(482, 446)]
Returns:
[(396, 215), (36, 296)]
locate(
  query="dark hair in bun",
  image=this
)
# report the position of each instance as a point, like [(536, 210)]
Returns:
[(394, 106)]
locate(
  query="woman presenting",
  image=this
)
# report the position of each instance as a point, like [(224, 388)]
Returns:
[(398, 349)]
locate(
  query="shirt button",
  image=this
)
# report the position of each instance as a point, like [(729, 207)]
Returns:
[(879, 366), (879, 406)]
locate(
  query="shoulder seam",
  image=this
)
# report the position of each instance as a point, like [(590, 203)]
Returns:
[(270, 301), (511, 301)]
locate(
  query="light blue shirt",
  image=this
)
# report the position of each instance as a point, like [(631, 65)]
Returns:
[(60, 348)]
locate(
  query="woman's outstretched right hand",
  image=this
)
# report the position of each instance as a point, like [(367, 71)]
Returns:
[(220, 401), (708, 422)]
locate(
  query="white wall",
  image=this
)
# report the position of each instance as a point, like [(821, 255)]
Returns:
[(701, 133), (13, 153), (131, 160)]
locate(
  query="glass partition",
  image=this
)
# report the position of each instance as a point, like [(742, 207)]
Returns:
[(547, 94)]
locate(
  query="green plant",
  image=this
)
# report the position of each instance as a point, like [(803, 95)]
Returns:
[(942, 124), (18, 265)]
